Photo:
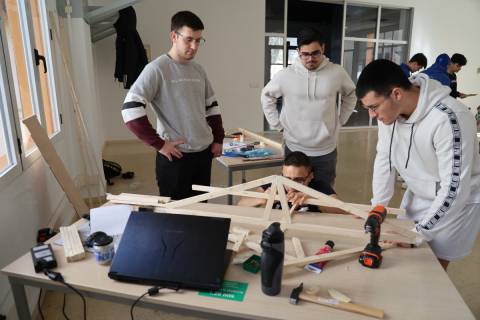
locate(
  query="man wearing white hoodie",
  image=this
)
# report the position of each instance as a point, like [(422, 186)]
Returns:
[(429, 138), (309, 119)]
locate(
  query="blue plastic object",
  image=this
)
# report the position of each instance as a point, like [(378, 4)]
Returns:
[(255, 153)]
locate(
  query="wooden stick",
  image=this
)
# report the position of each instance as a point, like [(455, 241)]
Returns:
[(219, 193), (271, 199), (272, 143), (50, 155), (313, 201), (346, 306), (127, 198), (342, 205), (297, 245), (72, 245), (337, 255), (283, 201)]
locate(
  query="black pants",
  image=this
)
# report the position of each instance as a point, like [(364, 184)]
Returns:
[(175, 178), (324, 167)]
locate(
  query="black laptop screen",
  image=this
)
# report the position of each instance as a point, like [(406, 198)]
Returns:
[(172, 249)]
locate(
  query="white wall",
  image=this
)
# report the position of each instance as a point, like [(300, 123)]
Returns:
[(232, 57)]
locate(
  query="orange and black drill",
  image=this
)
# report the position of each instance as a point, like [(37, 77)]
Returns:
[(371, 256)]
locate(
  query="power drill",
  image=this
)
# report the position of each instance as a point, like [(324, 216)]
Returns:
[(371, 256)]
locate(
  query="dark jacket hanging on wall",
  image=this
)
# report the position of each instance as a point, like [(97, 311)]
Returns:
[(131, 55)]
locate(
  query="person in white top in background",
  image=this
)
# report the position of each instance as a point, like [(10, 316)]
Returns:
[(428, 137), (310, 119)]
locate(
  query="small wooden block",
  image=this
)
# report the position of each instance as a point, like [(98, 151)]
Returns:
[(297, 245), (72, 245)]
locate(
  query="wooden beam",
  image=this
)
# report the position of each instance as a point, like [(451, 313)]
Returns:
[(139, 199), (294, 227), (72, 245), (297, 246), (50, 155), (271, 199), (324, 257), (256, 136), (284, 203), (342, 205), (336, 255), (313, 201), (220, 193)]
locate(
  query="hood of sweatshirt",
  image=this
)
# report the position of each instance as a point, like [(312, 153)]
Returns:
[(438, 70), (431, 92), (310, 75)]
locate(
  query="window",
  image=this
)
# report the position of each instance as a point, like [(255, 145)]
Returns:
[(371, 33), (7, 159), (29, 87)]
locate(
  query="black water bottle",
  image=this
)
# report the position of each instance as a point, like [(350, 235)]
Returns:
[(273, 246)]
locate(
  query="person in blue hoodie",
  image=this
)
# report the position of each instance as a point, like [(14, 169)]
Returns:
[(416, 62), (309, 119), (438, 70)]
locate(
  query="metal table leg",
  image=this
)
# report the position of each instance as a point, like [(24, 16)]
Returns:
[(20, 299), (229, 184)]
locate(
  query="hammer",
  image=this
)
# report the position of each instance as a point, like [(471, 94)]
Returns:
[(297, 295)]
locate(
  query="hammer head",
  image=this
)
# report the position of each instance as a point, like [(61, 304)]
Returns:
[(295, 295)]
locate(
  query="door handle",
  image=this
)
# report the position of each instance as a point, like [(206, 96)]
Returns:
[(38, 58)]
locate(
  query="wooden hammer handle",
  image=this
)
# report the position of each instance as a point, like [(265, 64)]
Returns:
[(347, 306)]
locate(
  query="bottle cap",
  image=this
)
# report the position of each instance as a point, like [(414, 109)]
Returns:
[(330, 243), (273, 233), (102, 240)]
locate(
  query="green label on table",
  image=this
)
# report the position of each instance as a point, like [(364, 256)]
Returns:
[(231, 290)]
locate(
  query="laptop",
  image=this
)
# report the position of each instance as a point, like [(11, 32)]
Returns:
[(173, 250)]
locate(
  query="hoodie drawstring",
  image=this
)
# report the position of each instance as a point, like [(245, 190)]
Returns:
[(409, 145), (390, 149)]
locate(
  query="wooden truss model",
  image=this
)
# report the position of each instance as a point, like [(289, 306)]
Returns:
[(294, 227)]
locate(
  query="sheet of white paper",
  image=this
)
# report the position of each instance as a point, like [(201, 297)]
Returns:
[(110, 219)]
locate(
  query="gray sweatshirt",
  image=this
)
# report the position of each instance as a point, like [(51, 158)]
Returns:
[(181, 96), (309, 117)]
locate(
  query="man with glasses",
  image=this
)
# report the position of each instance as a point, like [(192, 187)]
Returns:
[(429, 139), (189, 125), (310, 119), (296, 167)]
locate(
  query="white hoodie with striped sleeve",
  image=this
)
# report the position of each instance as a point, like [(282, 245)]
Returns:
[(435, 151)]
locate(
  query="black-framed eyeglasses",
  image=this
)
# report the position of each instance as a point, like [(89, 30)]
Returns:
[(190, 40), (298, 179), (313, 54), (374, 107)]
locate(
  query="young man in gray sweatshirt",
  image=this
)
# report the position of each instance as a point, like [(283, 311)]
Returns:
[(189, 125), (309, 119)]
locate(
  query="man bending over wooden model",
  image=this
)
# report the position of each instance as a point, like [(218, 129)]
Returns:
[(296, 167)]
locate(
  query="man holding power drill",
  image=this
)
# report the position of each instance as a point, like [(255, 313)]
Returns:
[(429, 139)]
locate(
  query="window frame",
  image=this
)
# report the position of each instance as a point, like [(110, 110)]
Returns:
[(376, 40), (8, 116), (24, 160)]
